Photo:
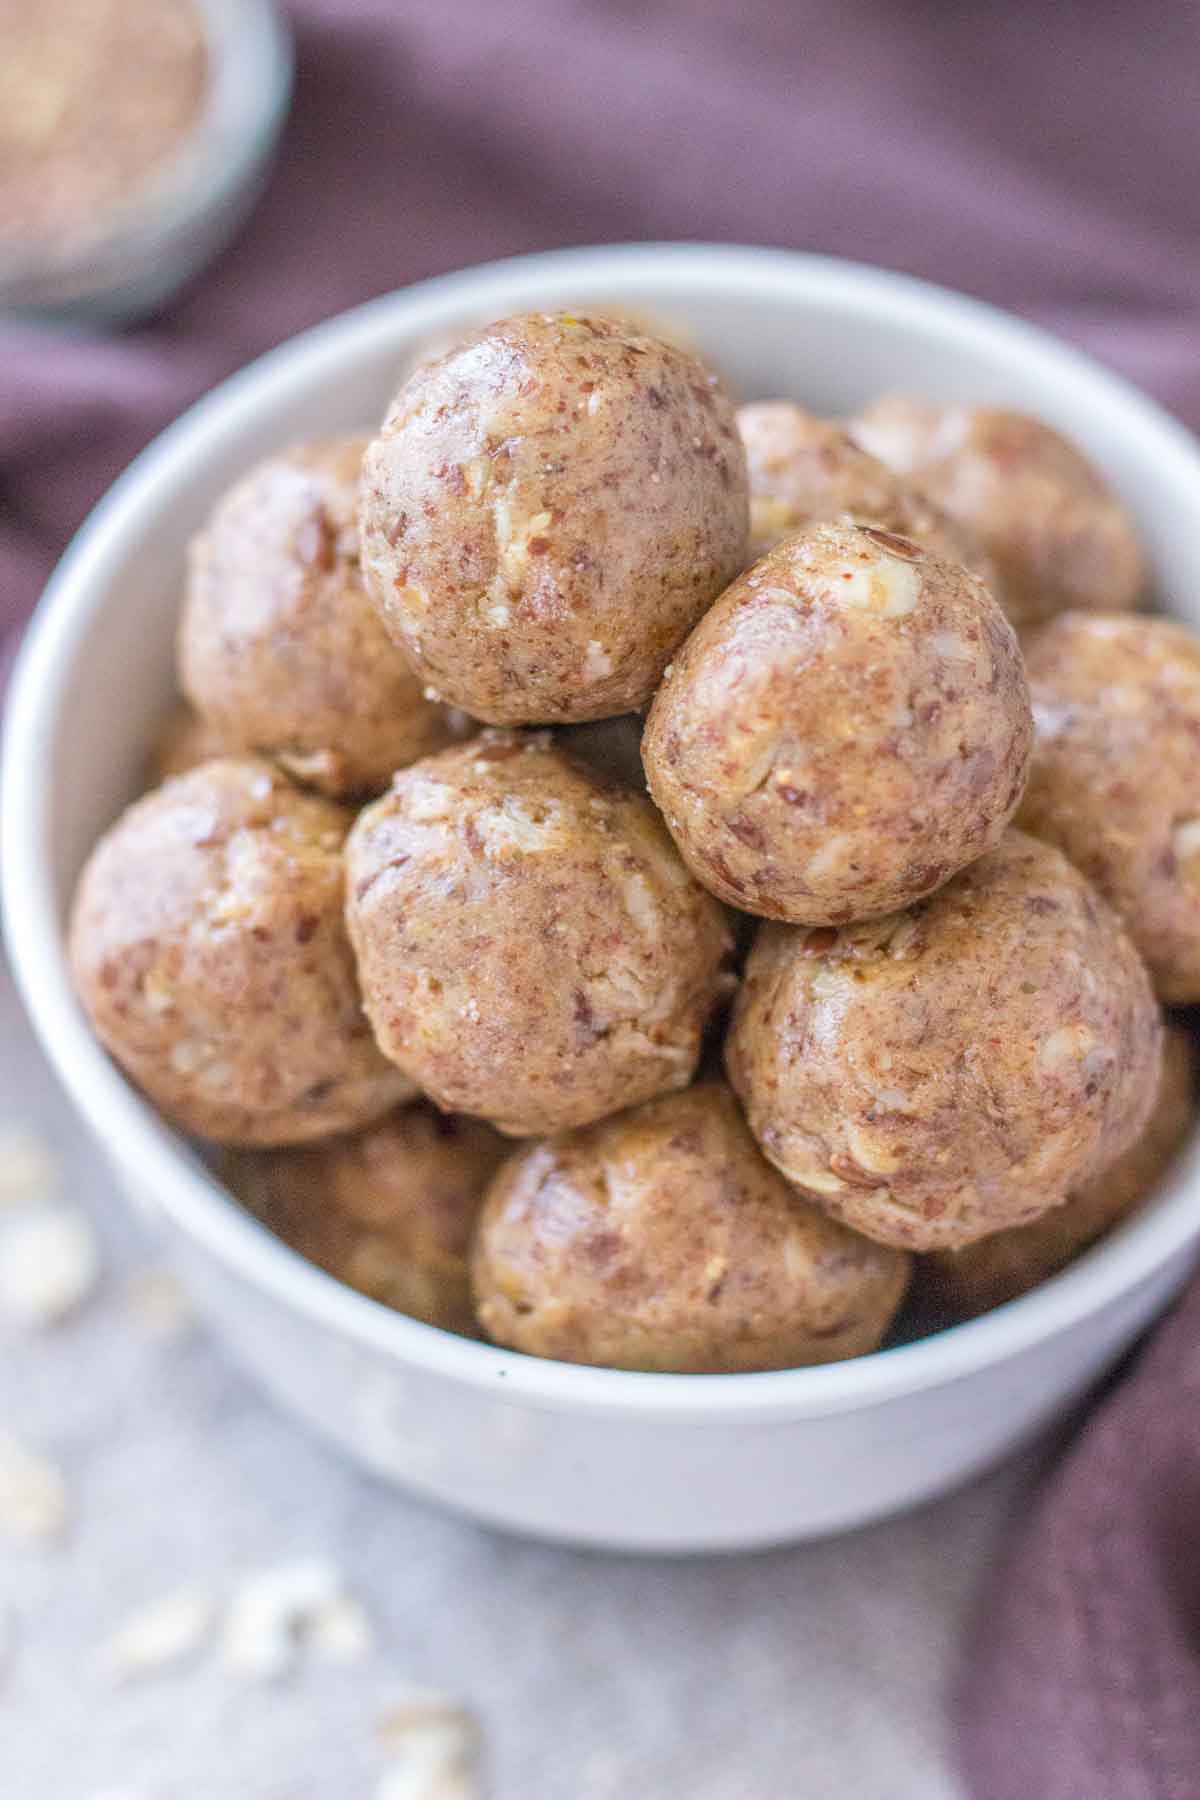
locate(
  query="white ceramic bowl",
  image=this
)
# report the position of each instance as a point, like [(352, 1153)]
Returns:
[(594, 1456)]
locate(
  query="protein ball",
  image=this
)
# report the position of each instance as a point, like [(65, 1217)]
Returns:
[(1058, 535), (809, 471), (209, 951), (531, 948), (183, 741), (662, 1240), (847, 727), (958, 1068), (390, 1210), (547, 511), (1115, 779), (280, 648), (959, 1284)]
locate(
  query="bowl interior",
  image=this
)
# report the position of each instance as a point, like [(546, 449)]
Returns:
[(97, 669)]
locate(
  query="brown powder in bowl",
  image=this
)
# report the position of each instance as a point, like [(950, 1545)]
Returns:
[(96, 99)]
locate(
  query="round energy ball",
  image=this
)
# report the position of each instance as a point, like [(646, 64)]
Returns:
[(280, 648), (844, 729), (390, 1210), (530, 946), (809, 471), (957, 1068), (210, 953), (662, 1240), (547, 511), (1057, 534), (959, 1284), (1115, 778), (183, 741)]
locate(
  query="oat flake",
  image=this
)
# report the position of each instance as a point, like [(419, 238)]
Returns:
[(159, 1303), (49, 1264), (278, 1609), (165, 1632), (29, 1169), (33, 1494)]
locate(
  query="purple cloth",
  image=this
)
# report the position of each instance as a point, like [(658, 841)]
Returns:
[(1082, 1679), (1044, 156)]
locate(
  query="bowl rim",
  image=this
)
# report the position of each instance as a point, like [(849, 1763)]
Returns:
[(158, 1162)]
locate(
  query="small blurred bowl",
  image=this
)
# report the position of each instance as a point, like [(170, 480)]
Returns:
[(591, 1456), (192, 208)]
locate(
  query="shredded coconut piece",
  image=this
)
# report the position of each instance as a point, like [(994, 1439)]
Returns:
[(165, 1632), (49, 1264), (33, 1494)]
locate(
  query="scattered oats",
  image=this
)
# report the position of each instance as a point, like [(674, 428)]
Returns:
[(29, 1169), (418, 1709), (470, 1010), (49, 1264), (274, 1611), (431, 694), (165, 1632), (433, 1745), (159, 1303), (668, 671), (341, 1632), (33, 1495), (423, 1781)]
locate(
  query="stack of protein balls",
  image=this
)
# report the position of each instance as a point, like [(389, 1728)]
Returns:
[(941, 1045)]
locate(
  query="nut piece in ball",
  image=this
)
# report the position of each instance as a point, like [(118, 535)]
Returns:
[(281, 650), (958, 1068), (530, 946), (959, 1284), (662, 1240), (390, 1210), (1115, 778), (209, 951), (809, 471), (546, 513), (1057, 534), (847, 727)]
